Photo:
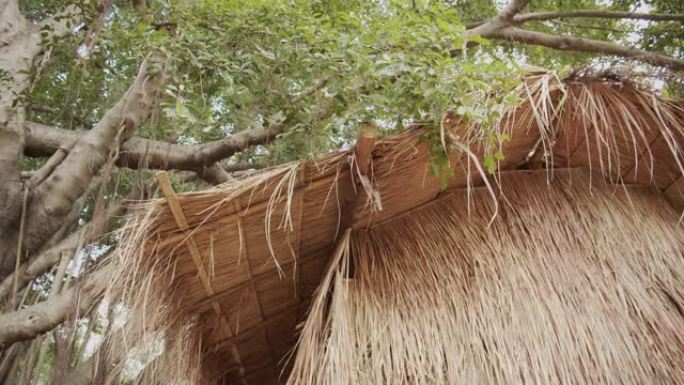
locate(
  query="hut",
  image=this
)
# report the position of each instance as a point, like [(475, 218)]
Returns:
[(364, 267)]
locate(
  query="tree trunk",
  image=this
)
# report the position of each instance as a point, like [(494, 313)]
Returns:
[(17, 50)]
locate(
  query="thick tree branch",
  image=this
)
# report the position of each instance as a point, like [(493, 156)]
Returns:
[(503, 19), (42, 263), (100, 224), (542, 16), (17, 44), (566, 43), (42, 140), (502, 27), (33, 320), (53, 198)]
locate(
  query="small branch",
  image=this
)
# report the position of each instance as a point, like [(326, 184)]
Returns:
[(600, 28), (94, 31), (542, 16), (44, 171), (315, 87), (82, 121), (167, 25), (577, 44)]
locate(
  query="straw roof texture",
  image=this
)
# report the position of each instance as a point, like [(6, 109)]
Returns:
[(583, 296), (225, 275)]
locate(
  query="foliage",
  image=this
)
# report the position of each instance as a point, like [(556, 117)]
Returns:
[(239, 66)]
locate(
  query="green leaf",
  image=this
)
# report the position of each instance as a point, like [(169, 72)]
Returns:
[(490, 163)]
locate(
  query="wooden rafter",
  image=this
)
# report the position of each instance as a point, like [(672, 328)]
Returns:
[(182, 222)]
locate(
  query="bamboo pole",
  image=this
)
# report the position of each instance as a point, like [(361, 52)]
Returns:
[(182, 222)]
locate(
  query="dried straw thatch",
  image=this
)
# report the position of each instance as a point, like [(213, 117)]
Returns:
[(564, 286), (532, 299)]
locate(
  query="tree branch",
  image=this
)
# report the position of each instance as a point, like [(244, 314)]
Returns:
[(16, 55), (20, 44), (42, 140), (33, 320), (567, 43), (541, 16), (214, 174), (503, 19), (53, 198), (82, 121), (104, 8), (42, 263), (502, 27), (39, 175)]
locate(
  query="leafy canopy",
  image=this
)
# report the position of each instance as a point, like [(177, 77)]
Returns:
[(240, 65), (245, 64)]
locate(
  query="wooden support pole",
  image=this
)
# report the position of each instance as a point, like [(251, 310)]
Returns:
[(365, 141)]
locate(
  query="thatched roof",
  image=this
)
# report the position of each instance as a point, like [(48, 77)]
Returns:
[(565, 286), (241, 261)]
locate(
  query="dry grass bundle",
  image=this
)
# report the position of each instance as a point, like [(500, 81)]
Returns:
[(589, 295)]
